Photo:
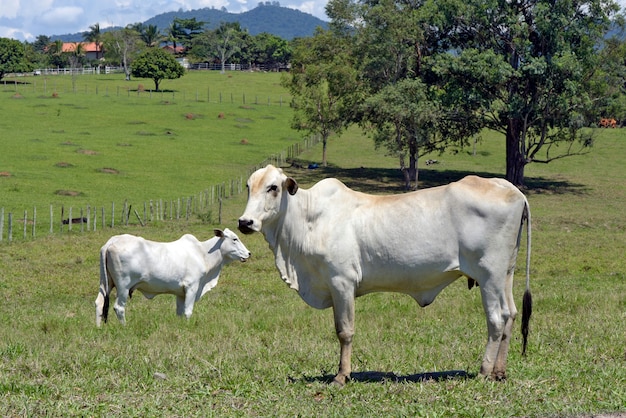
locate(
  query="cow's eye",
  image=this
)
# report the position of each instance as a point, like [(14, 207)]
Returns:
[(272, 188)]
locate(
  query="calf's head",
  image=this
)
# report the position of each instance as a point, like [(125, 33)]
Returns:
[(231, 246), (267, 187)]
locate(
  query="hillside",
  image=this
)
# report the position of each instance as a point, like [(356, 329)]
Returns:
[(280, 21)]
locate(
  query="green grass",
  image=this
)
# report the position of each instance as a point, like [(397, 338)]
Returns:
[(253, 348), (91, 149)]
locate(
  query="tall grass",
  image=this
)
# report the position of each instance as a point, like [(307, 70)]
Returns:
[(253, 348)]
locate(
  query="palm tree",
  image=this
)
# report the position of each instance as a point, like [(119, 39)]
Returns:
[(173, 32), (150, 35), (55, 53), (94, 35)]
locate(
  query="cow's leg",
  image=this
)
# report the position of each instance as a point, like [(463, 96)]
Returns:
[(343, 310), (499, 370), (496, 310), (120, 304), (190, 299), (99, 308)]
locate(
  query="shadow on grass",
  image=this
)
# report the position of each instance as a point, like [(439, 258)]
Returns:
[(388, 180), (379, 377)]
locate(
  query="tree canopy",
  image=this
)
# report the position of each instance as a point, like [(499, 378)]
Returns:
[(12, 57), (158, 65), (524, 68)]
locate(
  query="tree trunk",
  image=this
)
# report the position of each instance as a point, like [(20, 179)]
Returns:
[(324, 142), (413, 157), (515, 158)]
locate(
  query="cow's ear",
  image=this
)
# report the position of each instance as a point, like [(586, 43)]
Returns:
[(219, 233), (292, 186)]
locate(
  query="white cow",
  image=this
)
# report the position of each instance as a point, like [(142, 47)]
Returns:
[(333, 244), (187, 268)]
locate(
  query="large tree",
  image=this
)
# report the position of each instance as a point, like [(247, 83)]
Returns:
[(158, 65), (399, 102), (221, 44), (319, 81), (531, 63), (12, 57), (122, 46)]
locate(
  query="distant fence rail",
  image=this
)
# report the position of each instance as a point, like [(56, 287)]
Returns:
[(31, 223), (108, 69)]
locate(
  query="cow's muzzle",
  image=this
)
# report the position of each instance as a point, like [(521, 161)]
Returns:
[(245, 226)]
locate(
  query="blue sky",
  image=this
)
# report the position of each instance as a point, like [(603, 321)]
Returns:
[(26, 19)]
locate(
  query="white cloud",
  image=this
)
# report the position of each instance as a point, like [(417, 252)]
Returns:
[(61, 16), (10, 8)]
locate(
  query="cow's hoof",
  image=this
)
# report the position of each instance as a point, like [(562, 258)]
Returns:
[(339, 381), (498, 376)]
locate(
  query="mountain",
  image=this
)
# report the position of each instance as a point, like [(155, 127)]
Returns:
[(277, 20)]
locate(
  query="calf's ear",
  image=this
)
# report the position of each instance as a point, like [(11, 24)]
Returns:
[(219, 233), (291, 185)]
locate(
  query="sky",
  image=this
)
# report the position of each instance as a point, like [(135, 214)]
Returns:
[(24, 20)]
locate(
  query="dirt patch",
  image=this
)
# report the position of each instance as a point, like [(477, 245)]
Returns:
[(244, 120), (71, 193), (5, 174), (244, 141), (109, 170), (17, 96), (63, 164), (87, 152)]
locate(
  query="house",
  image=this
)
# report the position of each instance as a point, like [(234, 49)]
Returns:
[(90, 49)]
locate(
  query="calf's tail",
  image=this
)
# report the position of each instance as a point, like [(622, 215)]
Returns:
[(527, 301)]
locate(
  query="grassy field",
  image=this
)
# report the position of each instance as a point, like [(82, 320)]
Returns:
[(253, 348), (89, 141)]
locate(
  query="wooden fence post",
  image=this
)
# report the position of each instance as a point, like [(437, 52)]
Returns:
[(10, 232), (1, 223)]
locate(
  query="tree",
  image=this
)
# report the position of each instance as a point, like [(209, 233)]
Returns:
[(184, 30), (122, 46), (94, 35), (394, 43), (320, 77), (222, 43), (12, 57), (531, 65), (150, 34), (157, 65), (269, 51), (56, 57)]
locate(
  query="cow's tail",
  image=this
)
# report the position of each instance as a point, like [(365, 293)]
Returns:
[(527, 301), (105, 283)]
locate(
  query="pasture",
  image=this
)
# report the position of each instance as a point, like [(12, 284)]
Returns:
[(253, 348)]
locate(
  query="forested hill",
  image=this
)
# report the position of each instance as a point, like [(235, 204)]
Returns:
[(280, 21)]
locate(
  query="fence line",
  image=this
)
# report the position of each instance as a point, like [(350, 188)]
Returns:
[(85, 219)]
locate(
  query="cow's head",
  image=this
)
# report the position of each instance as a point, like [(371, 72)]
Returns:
[(266, 189), (231, 246)]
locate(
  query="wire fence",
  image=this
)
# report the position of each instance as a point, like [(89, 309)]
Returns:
[(205, 205)]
